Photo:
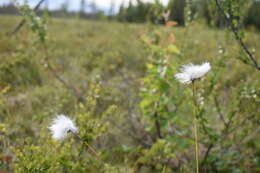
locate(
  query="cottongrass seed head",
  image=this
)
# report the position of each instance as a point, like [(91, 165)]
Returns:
[(61, 126), (191, 72)]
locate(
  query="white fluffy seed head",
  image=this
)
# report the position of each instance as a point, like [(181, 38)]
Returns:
[(191, 72), (61, 126)]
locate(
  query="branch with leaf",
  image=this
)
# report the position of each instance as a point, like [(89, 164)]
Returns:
[(38, 26), (23, 21), (235, 30)]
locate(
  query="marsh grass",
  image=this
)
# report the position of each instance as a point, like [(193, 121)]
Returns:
[(113, 54)]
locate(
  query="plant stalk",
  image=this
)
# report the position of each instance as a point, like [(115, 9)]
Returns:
[(164, 169), (88, 146), (195, 126)]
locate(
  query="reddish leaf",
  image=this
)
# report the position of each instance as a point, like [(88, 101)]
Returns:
[(171, 24)]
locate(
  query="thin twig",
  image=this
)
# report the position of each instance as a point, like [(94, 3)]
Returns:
[(89, 147), (238, 38), (139, 139), (221, 116), (227, 129), (157, 126), (80, 96), (207, 153), (23, 21), (254, 134)]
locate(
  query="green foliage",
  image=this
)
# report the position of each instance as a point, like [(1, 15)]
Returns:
[(37, 24), (71, 155), (136, 116), (158, 155), (157, 92), (20, 69), (160, 95)]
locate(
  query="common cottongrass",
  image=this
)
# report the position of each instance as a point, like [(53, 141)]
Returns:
[(189, 75), (62, 126)]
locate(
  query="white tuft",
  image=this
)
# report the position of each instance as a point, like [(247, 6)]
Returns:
[(192, 72), (61, 126)]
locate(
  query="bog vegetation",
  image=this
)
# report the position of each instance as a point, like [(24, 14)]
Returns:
[(116, 82)]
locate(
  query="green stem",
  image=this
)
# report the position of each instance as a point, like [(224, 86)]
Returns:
[(164, 169), (92, 149), (195, 127), (196, 145), (88, 147)]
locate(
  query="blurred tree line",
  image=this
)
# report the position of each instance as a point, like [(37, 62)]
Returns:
[(180, 9), (87, 10), (154, 12)]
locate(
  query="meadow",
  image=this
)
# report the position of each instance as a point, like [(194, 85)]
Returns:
[(116, 80)]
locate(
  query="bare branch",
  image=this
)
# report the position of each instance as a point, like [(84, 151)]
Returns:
[(79, 96)]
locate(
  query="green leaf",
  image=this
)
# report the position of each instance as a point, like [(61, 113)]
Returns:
[(173, 49)]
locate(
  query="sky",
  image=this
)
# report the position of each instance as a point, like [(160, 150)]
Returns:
[(75, 4)]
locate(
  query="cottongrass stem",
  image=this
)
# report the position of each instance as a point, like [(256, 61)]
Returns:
[(189, 74), (195, 127)]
